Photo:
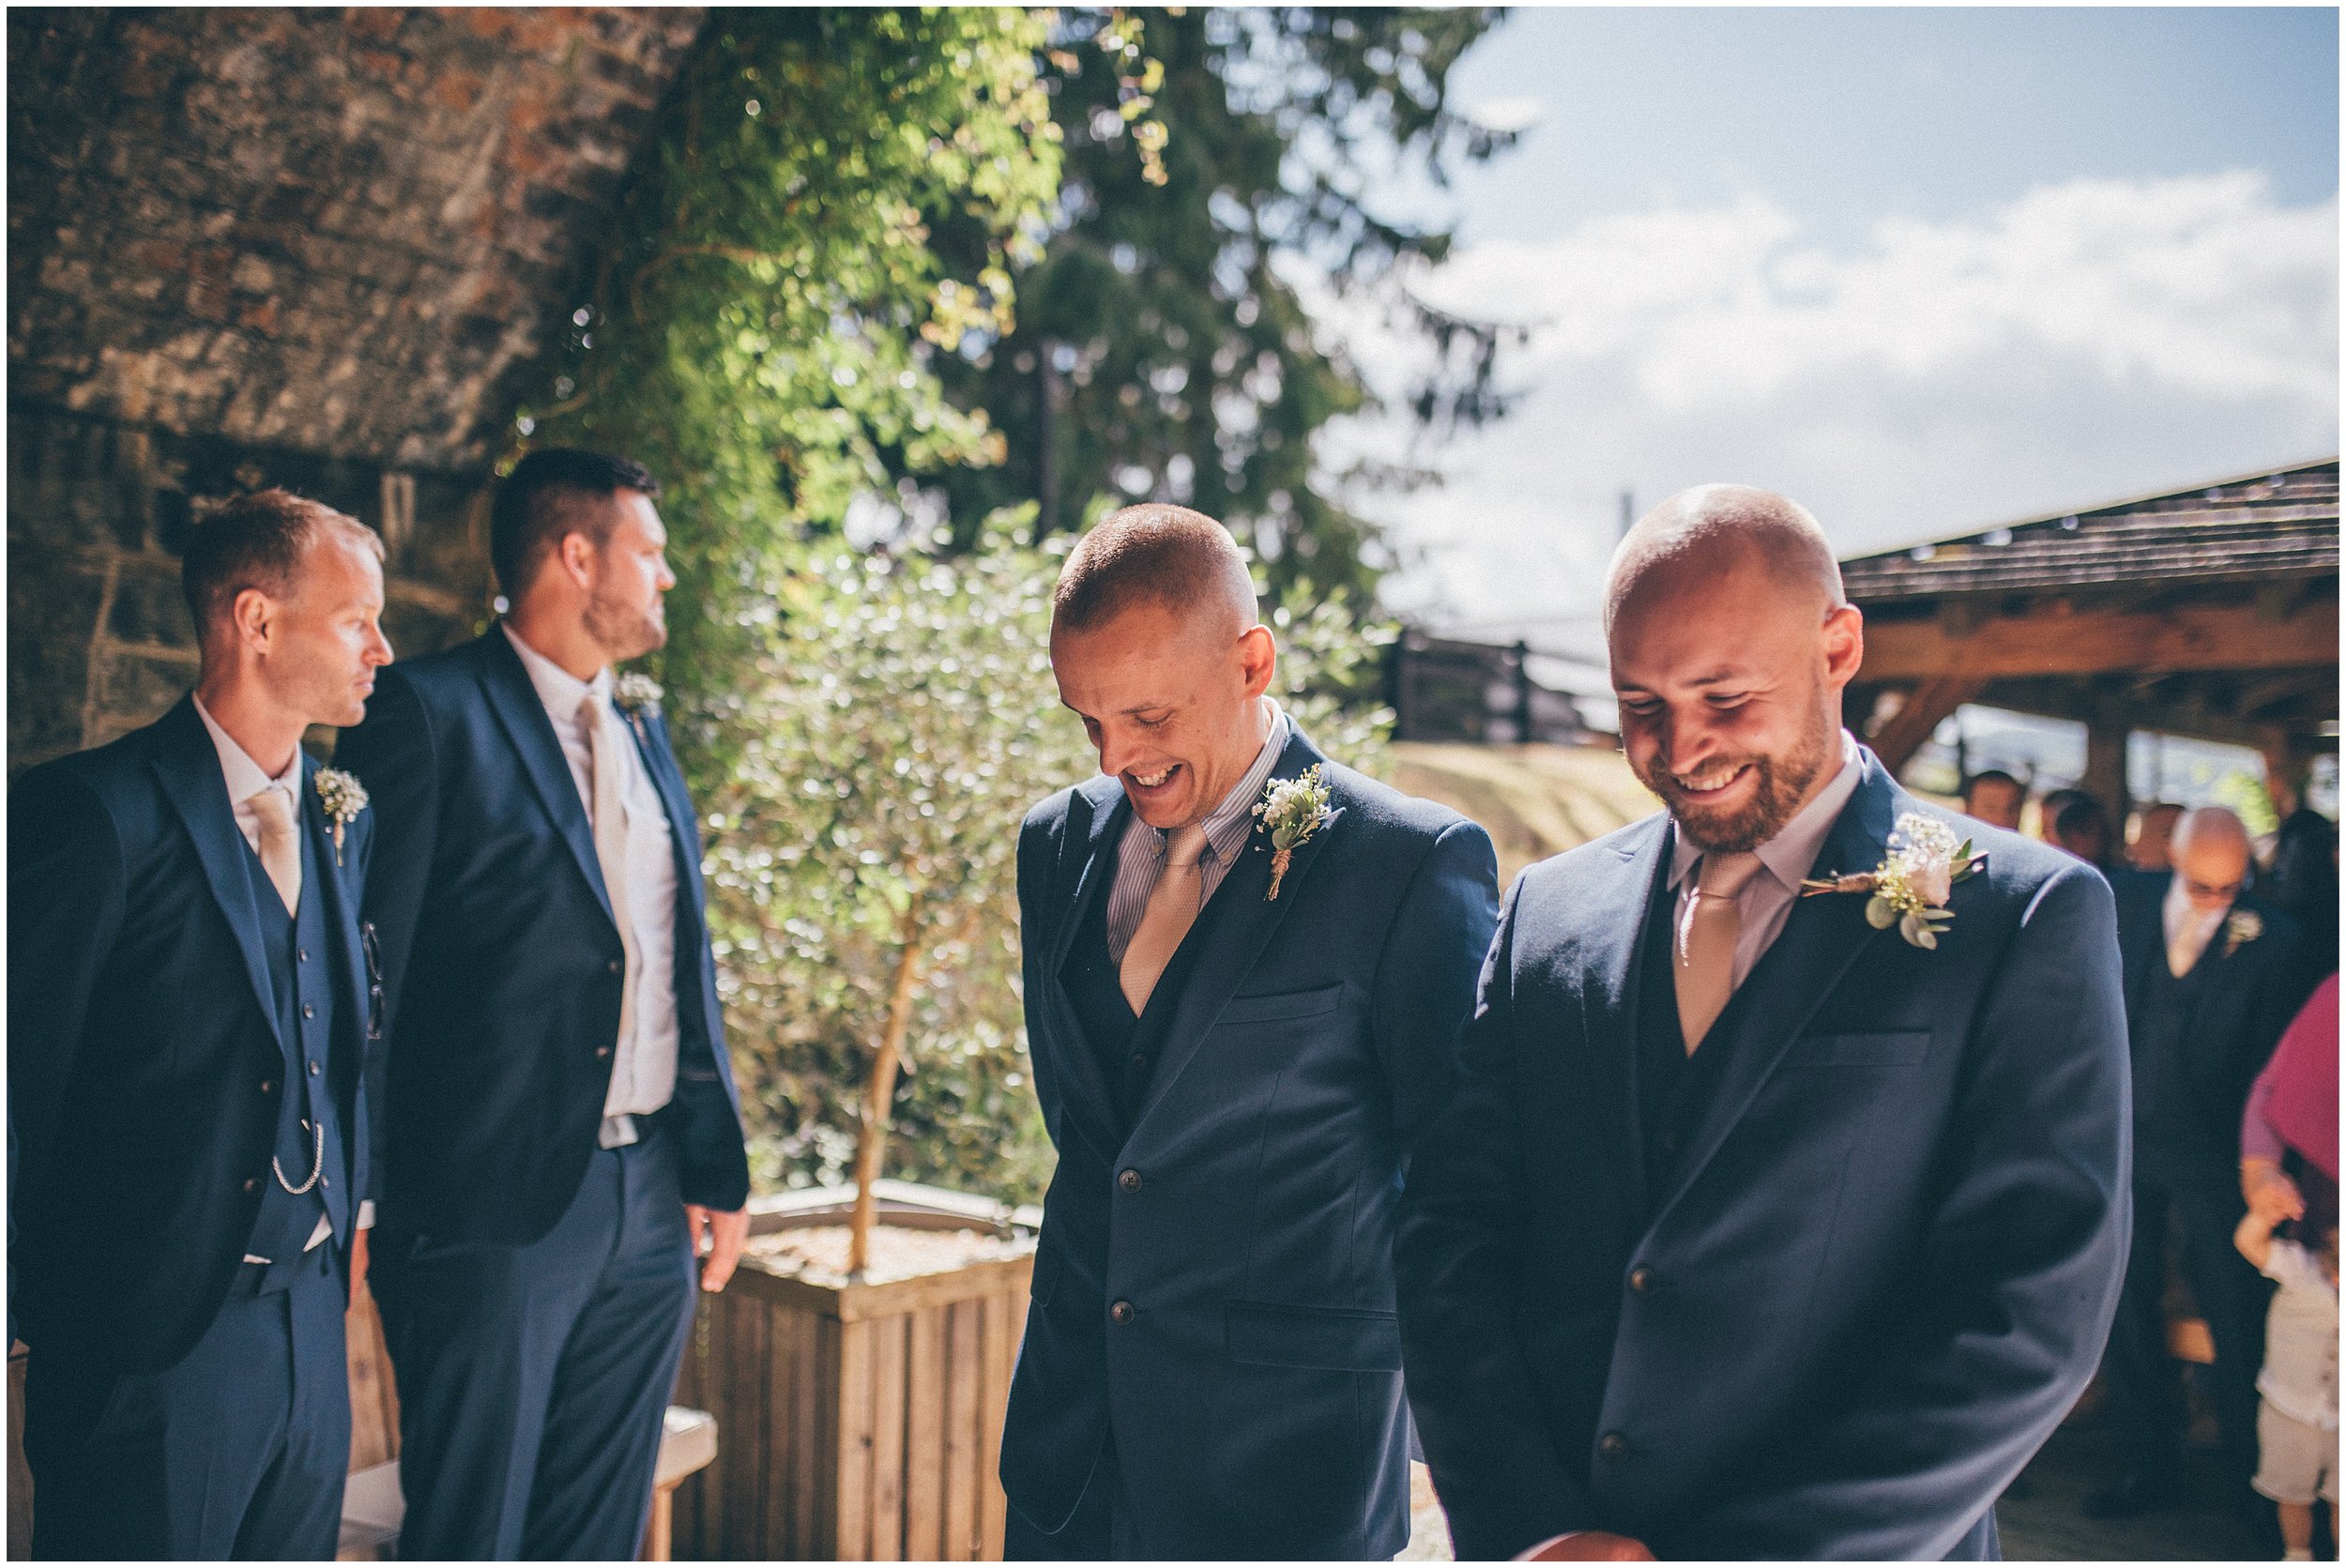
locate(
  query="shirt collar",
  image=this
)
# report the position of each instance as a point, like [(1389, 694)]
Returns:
[(1791, 854), (244, 776), (2178, 913), (560, 691), (1228, 822)]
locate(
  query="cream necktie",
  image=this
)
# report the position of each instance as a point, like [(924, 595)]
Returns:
[(604, 739), (2191, 939), (1172, 910), (281, 847), (1705, 969)]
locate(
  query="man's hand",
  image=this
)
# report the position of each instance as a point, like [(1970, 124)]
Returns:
[(1587, 1545), (2276, 1201), (2260, 1181), (358, 1262), (717, 1238)]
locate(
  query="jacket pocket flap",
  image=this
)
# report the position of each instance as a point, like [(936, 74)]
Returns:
[(1285, 1004), (1886, 1048), (1337, 1339)]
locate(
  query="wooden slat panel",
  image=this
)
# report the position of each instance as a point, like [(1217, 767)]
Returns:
[(1005, 1321), (888, 1347), (965, 1450), (815, 1468), (852, 1520), (924, 1436), (701, 1522), (743, 1531), (778, 1440)]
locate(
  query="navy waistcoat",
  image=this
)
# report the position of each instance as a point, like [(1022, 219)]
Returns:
[(301, 969)]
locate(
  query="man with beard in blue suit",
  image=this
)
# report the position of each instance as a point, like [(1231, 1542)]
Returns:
[(562, 1133), (189, 1004), (1240, 1025), (1766, 1224)]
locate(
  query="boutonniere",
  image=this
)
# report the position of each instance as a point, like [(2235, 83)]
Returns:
[(344, 798), (638, 696), (2240, 927), (1291, 811), (1910, 887)]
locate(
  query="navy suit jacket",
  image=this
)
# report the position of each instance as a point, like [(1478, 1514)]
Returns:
[(2240, 1008), (1255, 1385), (1885, 1266), (502, 965), (145, 1067)]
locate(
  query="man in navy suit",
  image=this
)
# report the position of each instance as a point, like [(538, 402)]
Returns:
[(188, 1003), (2213, 977), (562, 1133), (1763, 1224), (1236, 1039)]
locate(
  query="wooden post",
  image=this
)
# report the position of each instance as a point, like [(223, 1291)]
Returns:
[(2106, 769), (1904, 731)]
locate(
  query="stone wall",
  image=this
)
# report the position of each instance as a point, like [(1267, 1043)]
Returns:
[(322, 248)]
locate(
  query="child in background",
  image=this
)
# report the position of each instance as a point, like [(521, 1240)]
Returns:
[(2297, 1419)]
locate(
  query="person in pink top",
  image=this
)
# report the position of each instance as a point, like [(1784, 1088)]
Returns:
[(2293, 1105)]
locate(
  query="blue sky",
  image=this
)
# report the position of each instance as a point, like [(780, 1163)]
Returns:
[(1924, 269)]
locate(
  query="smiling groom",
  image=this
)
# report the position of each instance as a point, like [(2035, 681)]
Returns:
[(1237, 1035), (1766, 1226)]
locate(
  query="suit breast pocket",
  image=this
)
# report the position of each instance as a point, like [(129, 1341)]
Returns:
[(1879, 1048), (1283, 1007)]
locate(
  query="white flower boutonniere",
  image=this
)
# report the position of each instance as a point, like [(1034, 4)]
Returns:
[(1291, 811), (344, 798), (1910, 887), (2240, 927), (638, 696)]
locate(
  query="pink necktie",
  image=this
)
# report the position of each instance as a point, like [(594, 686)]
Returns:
[(1705, 967), (1172, 910)]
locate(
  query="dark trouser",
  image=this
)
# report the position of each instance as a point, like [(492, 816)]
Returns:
[(532, 1378), (238, 1451), (1101, 1529), (2146, 1408)]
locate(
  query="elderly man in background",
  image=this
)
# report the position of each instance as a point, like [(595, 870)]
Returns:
[(2212, 979), (1758, 1228)]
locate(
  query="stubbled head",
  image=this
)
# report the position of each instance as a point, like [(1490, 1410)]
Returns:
[(1731, 641), (1995, 797), (1157, 647), (576, 533), (2082, 827), (287, 596), (2211, 851)]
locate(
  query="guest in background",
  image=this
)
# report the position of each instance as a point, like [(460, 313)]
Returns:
[(2049, 808), (2212, 979), (1995, 797), (187, 1019), (2304, 881), (2290, 1128), (2082, 829), (2153, 848), (2297, 1408)]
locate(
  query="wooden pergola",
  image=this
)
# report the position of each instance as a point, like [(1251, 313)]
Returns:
[(2209, 612)]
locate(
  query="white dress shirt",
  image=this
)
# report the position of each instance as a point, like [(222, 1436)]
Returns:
[(1766, 900), (246, 778), (642, 1065), (1140, 855), (2186, 927)]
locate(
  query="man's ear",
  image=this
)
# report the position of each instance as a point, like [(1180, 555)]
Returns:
[(578, 557), (253, 615), (1258, 660), (1844, 645)]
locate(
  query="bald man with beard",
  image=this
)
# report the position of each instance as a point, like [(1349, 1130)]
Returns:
[(1757, 1227)]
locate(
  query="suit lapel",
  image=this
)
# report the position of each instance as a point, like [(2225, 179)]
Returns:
[(1096, 820), (341, 925), (189, 766), (1243, 920), (516, 704), (660, 765), (1820, 940), (1616, 975)]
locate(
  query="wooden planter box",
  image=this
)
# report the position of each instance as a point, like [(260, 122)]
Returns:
[(862, 1420)]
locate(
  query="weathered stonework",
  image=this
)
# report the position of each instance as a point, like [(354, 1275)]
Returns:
[(322, 248)]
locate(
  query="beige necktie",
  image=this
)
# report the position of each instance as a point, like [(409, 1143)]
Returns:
[(1172, 910), (281, 847), (2190, 941), (1706, 948), (604, 738)]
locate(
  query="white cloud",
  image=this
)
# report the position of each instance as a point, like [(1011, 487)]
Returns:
[(2092, 339)]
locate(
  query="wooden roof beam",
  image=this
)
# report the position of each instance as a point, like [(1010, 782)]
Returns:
[(2092, 642)]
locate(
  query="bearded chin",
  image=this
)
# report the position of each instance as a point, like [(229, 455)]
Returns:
[(1783, 784), (628, 632)]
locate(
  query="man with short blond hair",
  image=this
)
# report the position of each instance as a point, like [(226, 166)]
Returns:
[(189, 1007), (1772, 1218), (1240, 1025)]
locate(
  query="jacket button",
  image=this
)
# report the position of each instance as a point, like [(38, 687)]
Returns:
[(1121, 1312), (268, 1086), (302, 954), (308, 1012), (1139, 1063), (614, 966), (313, 1070), (1641, 1280), (1129, 1180), (1613, 1446), (602, 1051), (252, 1183)]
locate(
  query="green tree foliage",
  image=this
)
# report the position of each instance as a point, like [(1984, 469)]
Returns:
[(1159, 353)]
